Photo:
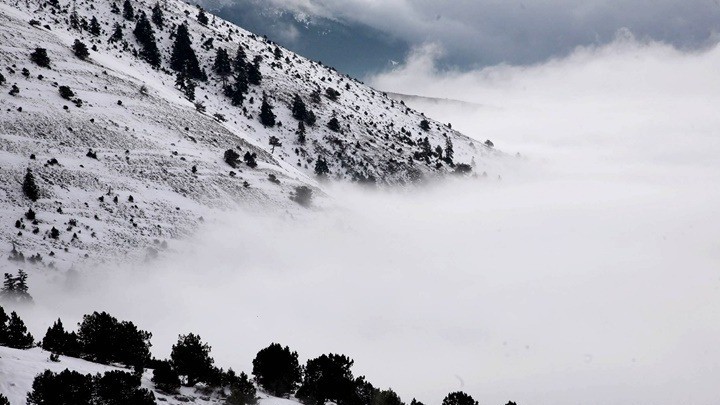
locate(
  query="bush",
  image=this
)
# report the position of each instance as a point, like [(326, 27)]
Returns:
[(328, 378), (250, 159), (332, 94), (303, 195), (66, 93), (39, 57), (459, 398), (334, 124), (231, 157), (120, 388), (73, 388), (165, 377), (80, 49), (191, 358), (242, 390), (103, 339), (463, 168), (65, 388), (425, 125), (277, 370)]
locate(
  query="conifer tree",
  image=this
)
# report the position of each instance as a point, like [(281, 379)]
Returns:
[(202, 17), (18, 336), (117, 34), (242, 390), (237, 91), (113, 8), (449, 150), (191, 358), (9, 286), (59, 341), (74, 20), (80, 50), (301, 133), (183, 56), (459, 398), (128, 11), (165, 377), (274, 142), (95, 29), (190, 89), (334, 124), (40, 57), (321, 167), (425, 125), (267, 117), (276, 369), (240, 61), (249, 159), (222, 64), (157, 16), (3, 326), (254, 74), (299, 110), (4, 400), (146, 37), (29, 187)]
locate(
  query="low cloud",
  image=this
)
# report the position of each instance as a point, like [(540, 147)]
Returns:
[(587, 275)]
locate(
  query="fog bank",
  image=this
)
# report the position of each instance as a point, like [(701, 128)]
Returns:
[(589, 274)]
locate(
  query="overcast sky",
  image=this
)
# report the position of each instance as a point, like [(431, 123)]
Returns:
[(475, 33)]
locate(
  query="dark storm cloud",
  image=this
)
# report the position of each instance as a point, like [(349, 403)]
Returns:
[(485, 32)]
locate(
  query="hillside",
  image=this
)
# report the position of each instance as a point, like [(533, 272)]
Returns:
[(135, 164), (18, 368)]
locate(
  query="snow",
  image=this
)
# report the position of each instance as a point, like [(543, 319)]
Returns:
[(18, 368)]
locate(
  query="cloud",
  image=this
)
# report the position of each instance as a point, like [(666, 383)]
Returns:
[(587, 275), (489, 32)]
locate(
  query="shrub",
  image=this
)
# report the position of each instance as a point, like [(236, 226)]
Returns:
[(66, 93), (65, 388), (334, 124), (463, 168), (39, 57), (332, 94), (120, 388), (303, 195), (250, 159), (242, 390), (425, 125), (191, 358), (277, 370), (104, 339), (231, 157), (80, 50), (459, 398), (165, 377)]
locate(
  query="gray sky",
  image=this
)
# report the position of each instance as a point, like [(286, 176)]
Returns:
[(476, 33)]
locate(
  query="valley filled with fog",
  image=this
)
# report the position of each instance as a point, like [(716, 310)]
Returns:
[(583, 271)]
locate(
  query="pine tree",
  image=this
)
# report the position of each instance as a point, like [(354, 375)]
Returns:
[(202, 17), (190, 90), (276, 369), (3, 327), (449, 150), (267, 117), (165, 377), (328, 378), (334, 124), (425, 125), (299, 110), (146, 37), (222, 64), (4, 400), (191, 358), (301, 133), (274, 142), (29, 187), (249, 159), (254, 74), (239, 89), (95, 27), (117, 34), (157, 16), (64, 388), (128, 11), (80, 50), (74, 20), (58, 341), (459, 398), (40, 57), (242, 390), (21, 287), (183, 57), (113, 8), (9, 287), (18, 336), (321, 167), (240, 61)]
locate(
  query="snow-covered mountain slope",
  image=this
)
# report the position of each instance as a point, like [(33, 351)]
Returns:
[(18, 368), (159, 168)]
